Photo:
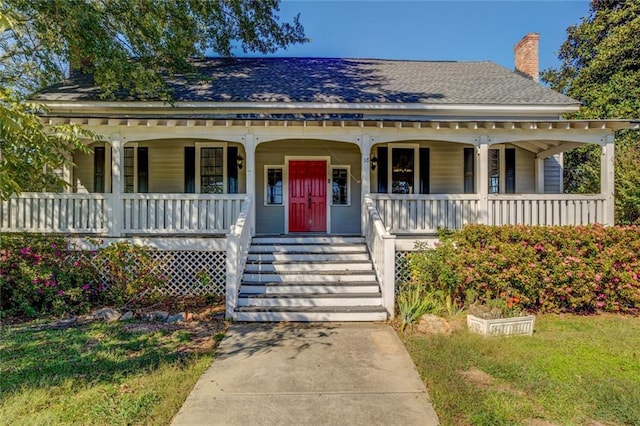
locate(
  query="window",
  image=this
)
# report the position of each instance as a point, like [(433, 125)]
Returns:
[(273, 185), (211, 170), (340, 185), (129, 169), (136, 169), (98, 169), (469, 171), (502, 170), (402, 170), (494, 171)]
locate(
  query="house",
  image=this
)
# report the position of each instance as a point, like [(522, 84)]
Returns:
[(295, 183)]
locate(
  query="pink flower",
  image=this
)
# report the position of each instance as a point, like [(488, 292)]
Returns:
[(53, 245), (60, 293), (600, 304), (569, 273), (76, 264), (85, 287), (598, 277), (25, 251)]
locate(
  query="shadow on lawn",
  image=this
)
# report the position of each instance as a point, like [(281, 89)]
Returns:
[(88, 353)]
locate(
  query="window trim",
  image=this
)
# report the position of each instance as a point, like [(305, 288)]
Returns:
[(502, 166), (474, 172), (198, 175), (266, 184), (348, 168)]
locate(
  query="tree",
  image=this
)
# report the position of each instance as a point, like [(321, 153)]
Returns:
[(601, 67), (127, 46)]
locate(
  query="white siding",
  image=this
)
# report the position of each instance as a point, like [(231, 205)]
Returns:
[(525, 171), (83, 170)]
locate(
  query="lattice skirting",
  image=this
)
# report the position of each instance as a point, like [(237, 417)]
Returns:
[(402, 273), (187, 272), (191, 272)]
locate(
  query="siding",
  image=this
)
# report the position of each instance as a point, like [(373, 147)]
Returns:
[(83, 170), (525, 171)]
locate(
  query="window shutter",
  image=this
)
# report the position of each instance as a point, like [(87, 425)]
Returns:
[(382, 169), (190, 169), (510, 170), (424, 170)]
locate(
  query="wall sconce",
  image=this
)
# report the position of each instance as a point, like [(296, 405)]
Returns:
[(374, 162), (239, 160)]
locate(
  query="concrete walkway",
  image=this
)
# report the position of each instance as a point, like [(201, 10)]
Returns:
[(309, 374)]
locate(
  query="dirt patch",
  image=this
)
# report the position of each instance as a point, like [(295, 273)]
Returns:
[(482, 380)]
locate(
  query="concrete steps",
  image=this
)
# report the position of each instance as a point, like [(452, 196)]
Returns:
[(309, 278)]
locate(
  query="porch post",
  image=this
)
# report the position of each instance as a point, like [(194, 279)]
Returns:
[(365, 176), (482, 182), (539, 175), (607, 179), (116, 214), (250, 151), (67, 173)]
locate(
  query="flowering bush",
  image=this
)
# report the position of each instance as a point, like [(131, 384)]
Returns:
[(42, 275), (549, 269), (39, 275)]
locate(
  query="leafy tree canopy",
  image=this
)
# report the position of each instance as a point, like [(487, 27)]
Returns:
[(601, 67), (126, 45)]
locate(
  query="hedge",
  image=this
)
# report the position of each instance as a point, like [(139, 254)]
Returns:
[(547, 269)]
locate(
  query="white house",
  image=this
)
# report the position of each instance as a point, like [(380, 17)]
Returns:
[(295, 182)]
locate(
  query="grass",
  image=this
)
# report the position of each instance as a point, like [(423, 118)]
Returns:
[(574, 370), (96, 374)]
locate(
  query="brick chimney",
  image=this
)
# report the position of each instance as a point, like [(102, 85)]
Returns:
[(526, 52)]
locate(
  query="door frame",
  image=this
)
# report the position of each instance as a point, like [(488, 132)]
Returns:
[(285, 183)]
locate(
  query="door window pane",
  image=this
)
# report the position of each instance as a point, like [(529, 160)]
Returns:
[(402, 170), (98, 169), (128, 169)]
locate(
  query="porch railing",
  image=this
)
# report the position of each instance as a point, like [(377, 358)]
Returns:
[(180, 213), (124, 214), (382, 247), (238, 243), (546, 209), (426, 213), (52, 212)]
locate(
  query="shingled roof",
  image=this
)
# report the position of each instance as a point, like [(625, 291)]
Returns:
[(326, 80)]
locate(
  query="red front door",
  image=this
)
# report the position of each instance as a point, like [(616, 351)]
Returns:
[(307, 196)]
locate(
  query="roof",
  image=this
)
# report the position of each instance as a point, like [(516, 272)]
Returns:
[(326, 80)]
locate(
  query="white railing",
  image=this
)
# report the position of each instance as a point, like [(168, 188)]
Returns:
[(426, 213), (546, 209), (179, 213), (382, 247), (53, 212), (238, 243)]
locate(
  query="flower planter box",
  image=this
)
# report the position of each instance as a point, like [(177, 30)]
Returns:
[(502, 326)]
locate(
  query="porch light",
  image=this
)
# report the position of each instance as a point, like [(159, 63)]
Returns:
[(374, 162), (239, 159)]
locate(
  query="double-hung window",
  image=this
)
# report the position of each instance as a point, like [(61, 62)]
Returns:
[(340, 185), (273, 185)]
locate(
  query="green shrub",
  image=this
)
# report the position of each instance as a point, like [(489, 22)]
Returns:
[(39, 275), (550, 269), (131, 273)]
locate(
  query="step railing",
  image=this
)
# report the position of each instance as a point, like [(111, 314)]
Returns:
[(238, 244), (381, 245)]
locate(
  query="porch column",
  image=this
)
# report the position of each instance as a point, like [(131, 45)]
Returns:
[(482, 182), (607, 179), (539, 175), (365, 175), (116, 214), (67, 173), (250, 151)]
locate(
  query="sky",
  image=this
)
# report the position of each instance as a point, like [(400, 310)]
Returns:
[(431, 30)]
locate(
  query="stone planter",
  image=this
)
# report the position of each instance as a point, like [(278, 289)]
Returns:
[(502, 326)]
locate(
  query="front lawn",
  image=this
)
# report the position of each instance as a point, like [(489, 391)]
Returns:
[(101, 373), (574, 370)]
